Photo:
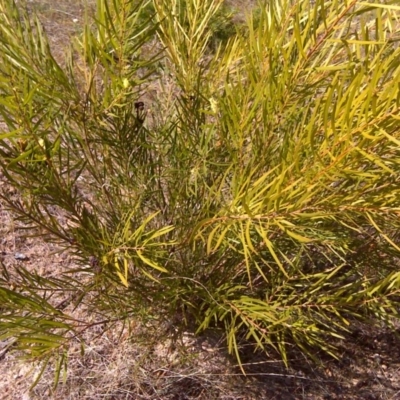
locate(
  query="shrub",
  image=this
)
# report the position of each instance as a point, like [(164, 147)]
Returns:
[(220, 24), (260, 194)]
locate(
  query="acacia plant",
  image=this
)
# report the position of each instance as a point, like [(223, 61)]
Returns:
[(259, 194)]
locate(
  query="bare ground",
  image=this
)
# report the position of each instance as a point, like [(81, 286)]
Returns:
[(137, 362)]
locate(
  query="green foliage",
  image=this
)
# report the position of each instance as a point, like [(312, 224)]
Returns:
[(221, 24), (262, 196)]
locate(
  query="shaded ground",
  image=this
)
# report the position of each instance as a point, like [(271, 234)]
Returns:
[(142, 364)]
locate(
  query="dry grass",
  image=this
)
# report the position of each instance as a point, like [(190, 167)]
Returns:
[(62, 20), (152, 361)]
